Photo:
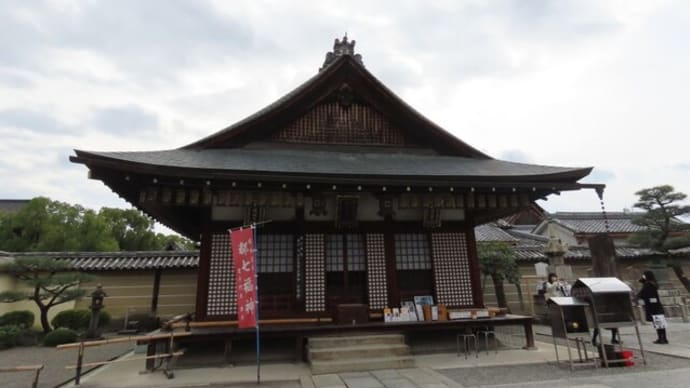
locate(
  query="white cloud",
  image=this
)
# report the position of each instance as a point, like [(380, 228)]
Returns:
[(574, 83)]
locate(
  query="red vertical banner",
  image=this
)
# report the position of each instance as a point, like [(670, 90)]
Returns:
[(242, 243)]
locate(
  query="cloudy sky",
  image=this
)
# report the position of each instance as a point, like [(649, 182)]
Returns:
[(573, 83)]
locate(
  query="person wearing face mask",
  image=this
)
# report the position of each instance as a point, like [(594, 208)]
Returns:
[(649, 293)]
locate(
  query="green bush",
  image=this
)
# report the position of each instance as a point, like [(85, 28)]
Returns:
[(9, 335), (21, 318), (71, 319), (78, 319), (60, 336), (104, 319)]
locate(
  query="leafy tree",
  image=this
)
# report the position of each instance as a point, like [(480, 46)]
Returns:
[(133, 231), (52, 283), (45, 225), (497, 260), (663, 229)]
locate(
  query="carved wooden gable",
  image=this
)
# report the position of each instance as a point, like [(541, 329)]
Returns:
[(342, 120)]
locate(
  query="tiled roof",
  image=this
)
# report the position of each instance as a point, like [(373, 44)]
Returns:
[(123, 261), (593, 222), (530, 247), (536, 253), (12, 205), (526, 237), (490, 232), (302, 161), (680, 251)]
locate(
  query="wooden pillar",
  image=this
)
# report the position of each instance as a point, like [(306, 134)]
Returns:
[(202, 276), (391, 270), (474, 265), (156, 292)]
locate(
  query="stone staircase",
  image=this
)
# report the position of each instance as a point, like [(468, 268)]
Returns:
[(358, 352)]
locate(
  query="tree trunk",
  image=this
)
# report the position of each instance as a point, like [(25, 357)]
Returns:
[(43, 309), (518, 287), (500, 292), (678, 270), (44, 319)]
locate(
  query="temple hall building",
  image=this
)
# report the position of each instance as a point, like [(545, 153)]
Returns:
[(369, 202)]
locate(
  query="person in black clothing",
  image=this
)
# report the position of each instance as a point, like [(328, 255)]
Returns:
[(652, 305)]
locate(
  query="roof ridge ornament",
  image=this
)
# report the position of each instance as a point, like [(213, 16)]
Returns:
[(342, 48)]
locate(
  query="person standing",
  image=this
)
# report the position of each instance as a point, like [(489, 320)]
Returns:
[(649, 293), (553, 287)]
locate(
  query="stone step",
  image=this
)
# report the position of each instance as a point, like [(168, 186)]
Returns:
[(357, 352), (362, 364), (355, 340)]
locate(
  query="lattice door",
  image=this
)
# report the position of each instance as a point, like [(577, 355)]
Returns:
[(452, 269), (315, 273), (376, 267), (221, 300)]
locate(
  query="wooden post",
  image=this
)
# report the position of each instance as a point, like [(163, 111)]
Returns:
[(169, 360), (603, 256), (156, 292), (151, 351), (529, 336), (80, 359), (34, 384)]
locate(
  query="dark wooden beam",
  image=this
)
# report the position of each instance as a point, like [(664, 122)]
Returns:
[(156, 292)]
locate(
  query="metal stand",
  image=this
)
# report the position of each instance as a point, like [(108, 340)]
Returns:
[(466, 342), (580, 344)]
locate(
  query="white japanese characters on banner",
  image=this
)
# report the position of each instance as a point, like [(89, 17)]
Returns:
[(242, 243)]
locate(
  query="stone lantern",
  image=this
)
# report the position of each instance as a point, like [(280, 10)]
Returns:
[(555, 250), (97, 297)]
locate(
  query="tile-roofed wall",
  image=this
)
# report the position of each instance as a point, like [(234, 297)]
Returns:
[(491, 232), (525, 248), (593, 222), (12, 205), (530, 247), (123, 261)]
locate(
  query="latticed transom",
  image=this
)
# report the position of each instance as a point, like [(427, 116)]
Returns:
[(334, 123), (275, 253), (345, 250), (335, 258), (356, 254), (412, 251)]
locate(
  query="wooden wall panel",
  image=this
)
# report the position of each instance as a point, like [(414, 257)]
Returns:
[(332, 123)]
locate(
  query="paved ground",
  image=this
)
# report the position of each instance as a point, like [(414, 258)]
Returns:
[(668, 366), (54, 361), (531, 373)]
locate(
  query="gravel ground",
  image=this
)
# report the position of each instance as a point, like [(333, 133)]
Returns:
[(511, 374), (54, 372)]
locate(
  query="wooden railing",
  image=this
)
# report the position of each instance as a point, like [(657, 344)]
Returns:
[(169, 356), (174, 322), (25, 368)]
